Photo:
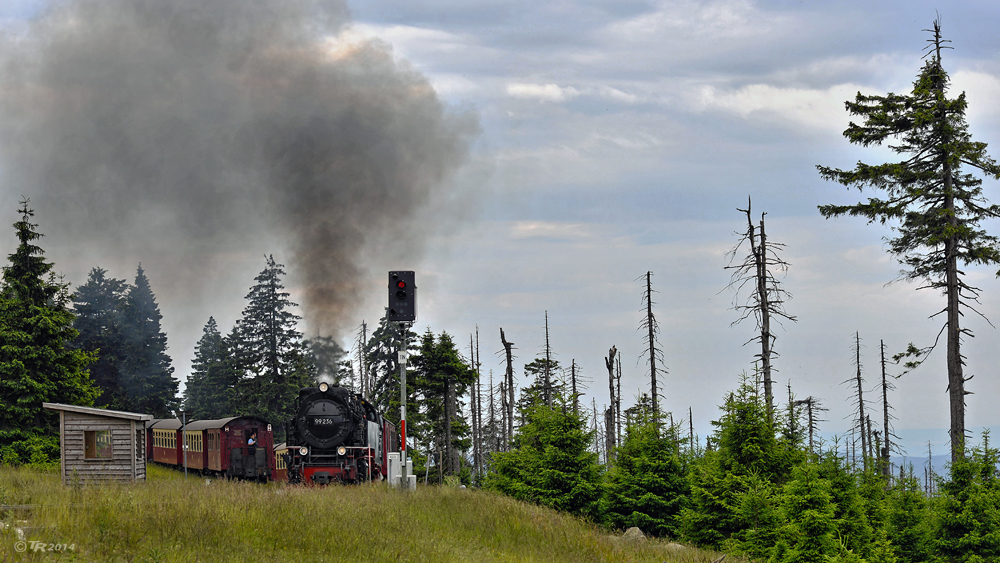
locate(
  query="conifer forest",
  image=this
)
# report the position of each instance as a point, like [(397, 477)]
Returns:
[(767, 483)]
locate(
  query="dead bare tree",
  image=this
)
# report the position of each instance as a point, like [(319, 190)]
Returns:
[(448, 446), (596, 429), (576, 392), (691, 443), (547, 392), (472, 404), (766, 297), (503, 415), (858, 381), (362, 346), (870, 453), (508, 346), (888, 447), (609, 362), (794, 413), (475, 405), (652, 328), (618, 400), (494, 438), (813, 409), (929, 475), (609, 436)]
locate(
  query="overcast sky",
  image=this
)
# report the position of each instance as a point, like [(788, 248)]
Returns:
[(602, 140)]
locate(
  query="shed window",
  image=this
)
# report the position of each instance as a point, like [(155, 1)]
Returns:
[(97, 444)]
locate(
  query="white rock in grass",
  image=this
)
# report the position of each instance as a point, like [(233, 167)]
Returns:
[(634, 534)]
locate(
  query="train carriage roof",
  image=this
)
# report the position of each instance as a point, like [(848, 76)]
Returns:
[(154, 422), (209, 424), (166, 424)]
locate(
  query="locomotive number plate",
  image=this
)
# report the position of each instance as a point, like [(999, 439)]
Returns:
[(318, 421)]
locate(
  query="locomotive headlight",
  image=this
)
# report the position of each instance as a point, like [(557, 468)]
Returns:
[(324, 386), (303, 450), (341, 450)]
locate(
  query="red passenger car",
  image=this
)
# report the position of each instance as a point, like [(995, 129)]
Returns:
[(224, 448), (215, 447), (194, 440), (166, 438), (149, 436)]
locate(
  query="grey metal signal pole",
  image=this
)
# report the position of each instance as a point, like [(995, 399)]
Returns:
[(403, 477)]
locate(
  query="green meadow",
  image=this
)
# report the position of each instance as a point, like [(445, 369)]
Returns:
[(170, 518)]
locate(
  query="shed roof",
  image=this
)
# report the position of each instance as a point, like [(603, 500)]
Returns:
[(94, 411)]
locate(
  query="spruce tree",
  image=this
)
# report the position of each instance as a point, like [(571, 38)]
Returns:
[(966, 526), (852, 524), (271, 355), (381, 352), (211, 388), (99, 305), (757, 509), (647, 486), (710, 517), (551, 464), (808, 509), (147, 376), (747, 455), (36, 364), (908, 518), (539, 372), (440, 377), (746, 439), (936, 207)]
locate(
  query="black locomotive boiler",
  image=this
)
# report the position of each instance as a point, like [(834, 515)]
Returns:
[(337, 436)]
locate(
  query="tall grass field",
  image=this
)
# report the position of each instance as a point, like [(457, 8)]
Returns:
[(170, 518)]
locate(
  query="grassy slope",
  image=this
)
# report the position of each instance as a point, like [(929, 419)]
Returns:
[(170, 518)]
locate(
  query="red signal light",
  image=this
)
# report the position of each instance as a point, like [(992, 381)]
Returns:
[(403, 297)]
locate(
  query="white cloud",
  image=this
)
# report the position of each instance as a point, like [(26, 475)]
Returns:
[(633, 140), (617, 95), (452, 84), (704, 21), (555, 93), (542, 92), (981, 90), (550, 230), (814, 108), (408, 39)]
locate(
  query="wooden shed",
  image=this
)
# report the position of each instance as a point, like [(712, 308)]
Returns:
[(101, 445)]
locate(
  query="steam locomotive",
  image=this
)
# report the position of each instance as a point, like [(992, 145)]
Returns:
[(337, 436)]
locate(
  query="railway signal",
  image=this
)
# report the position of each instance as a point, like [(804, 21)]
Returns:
[(402, 296), (402, 309)]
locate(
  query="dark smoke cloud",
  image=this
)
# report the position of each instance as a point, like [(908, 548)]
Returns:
[(225, 120)]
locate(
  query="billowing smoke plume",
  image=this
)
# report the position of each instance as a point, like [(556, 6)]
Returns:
[(220, 121)]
